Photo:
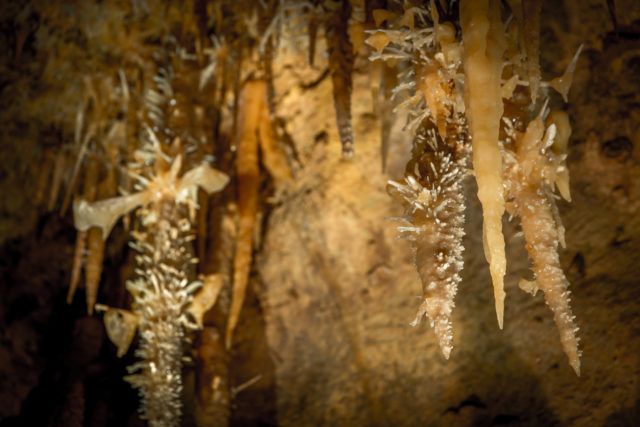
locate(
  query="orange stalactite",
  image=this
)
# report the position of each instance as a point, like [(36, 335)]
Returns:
[(95, 247), (254, 131), (76, 269), (89, 194), (93, 266), (252, 103)]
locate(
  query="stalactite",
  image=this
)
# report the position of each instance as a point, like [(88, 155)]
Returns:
[(95, 248), (431, 81), (341, 66), (163, 290), (93, 266), (254, 131), (312, 31), (484, 43), (562, 83), (56, 180), (432, 187), (167, 305), (89, 194), (531, 35), (530, 179), (43, 177), (184, 76), (160, 295), (434, 208), (250, 110), (385, 111), (383, 80)]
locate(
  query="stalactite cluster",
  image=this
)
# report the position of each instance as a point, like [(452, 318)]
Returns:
[(188, 87), (495, 68), (432, 187)]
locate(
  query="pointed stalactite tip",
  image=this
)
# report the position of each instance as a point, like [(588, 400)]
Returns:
[(348, 153)]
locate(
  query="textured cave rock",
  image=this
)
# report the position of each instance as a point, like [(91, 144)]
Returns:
[(326, 322)]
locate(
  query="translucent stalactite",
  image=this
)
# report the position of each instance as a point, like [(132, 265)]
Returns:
[(484, 44)]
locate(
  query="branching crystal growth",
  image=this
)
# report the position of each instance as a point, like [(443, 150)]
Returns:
[(434, 208)]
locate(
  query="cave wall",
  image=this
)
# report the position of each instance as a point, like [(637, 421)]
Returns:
[(345, 265)]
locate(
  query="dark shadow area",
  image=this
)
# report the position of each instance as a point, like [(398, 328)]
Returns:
[(76, 378), (252, 366), (626, 417)]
